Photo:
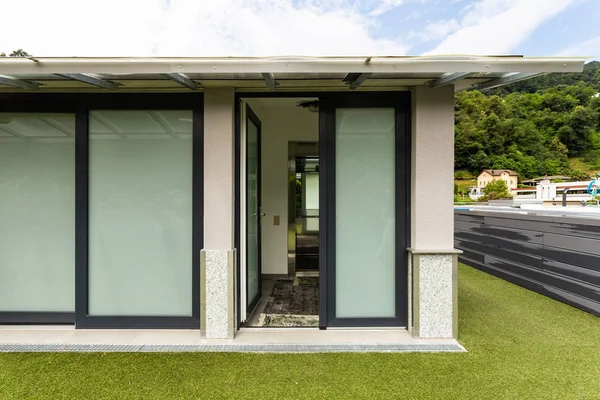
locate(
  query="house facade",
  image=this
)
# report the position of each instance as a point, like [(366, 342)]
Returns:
[(155, 192), (488, 175)]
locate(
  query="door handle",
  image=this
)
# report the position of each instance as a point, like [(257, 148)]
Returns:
[(262, 214)]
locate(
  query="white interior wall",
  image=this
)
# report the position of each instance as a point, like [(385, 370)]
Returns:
[(312, 191), (282, 122), (311, 197)]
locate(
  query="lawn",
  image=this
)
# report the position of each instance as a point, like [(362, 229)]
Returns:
[(464, 185), (521, 346)]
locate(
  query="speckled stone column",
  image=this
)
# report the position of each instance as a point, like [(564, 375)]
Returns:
[(217, 294), (217, 289), (434, 308)]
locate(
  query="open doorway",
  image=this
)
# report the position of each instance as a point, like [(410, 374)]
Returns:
[(279, 212)]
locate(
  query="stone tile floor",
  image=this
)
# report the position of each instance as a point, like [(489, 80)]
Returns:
[(61, 338)]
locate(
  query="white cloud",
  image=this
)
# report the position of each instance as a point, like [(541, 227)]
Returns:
[(193, 28), (590, 47), (260, 27), (385, 6), (498, 26), (437, 30)]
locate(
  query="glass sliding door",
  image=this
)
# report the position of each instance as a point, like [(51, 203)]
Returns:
[(253, 211), (365, 183), (140, 213), (37, 216)]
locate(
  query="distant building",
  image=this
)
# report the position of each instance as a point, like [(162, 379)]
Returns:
[(488, 175), (551, 193)]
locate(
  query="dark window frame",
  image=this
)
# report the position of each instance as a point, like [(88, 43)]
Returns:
[(251, 116), (80, 105), (400, 102)]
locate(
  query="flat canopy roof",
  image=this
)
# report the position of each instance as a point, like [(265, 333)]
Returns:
[(289, 73)]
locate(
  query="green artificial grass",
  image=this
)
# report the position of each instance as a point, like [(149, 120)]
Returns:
[(521, 346)]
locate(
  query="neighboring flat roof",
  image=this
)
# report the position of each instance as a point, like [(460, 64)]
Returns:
[(289, 73), (558, 188), (550, 177)]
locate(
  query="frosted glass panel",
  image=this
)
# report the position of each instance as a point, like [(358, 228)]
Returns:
[(37, 212), (365, 212), (140, 210), (253, 213)]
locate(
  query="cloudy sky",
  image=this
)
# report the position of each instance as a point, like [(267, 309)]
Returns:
[(300, 27)]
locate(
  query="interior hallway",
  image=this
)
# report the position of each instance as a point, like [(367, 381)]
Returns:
[(287, 303)]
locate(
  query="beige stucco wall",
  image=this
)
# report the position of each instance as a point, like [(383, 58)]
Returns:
[(219, 114), (282, 122), (432, 168), (482, 180)]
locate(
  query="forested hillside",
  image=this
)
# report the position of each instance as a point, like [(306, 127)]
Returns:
[(532, 127)]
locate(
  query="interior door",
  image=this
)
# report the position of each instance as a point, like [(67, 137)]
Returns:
[(253, 210)]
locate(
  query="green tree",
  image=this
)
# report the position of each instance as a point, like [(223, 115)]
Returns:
[(495, 190), (479, 161), (592, 155), (582, 92), (580, 125), (595, 106), (554, 100), (17, 53)]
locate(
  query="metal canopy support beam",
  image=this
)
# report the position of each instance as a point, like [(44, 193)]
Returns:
[(164, 124), (104, 121), (182, 80), (14, 133), (14, 82), (355, 79), (448, 79), (90, 80), (269, 80), (57, 126), (505, 80)]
